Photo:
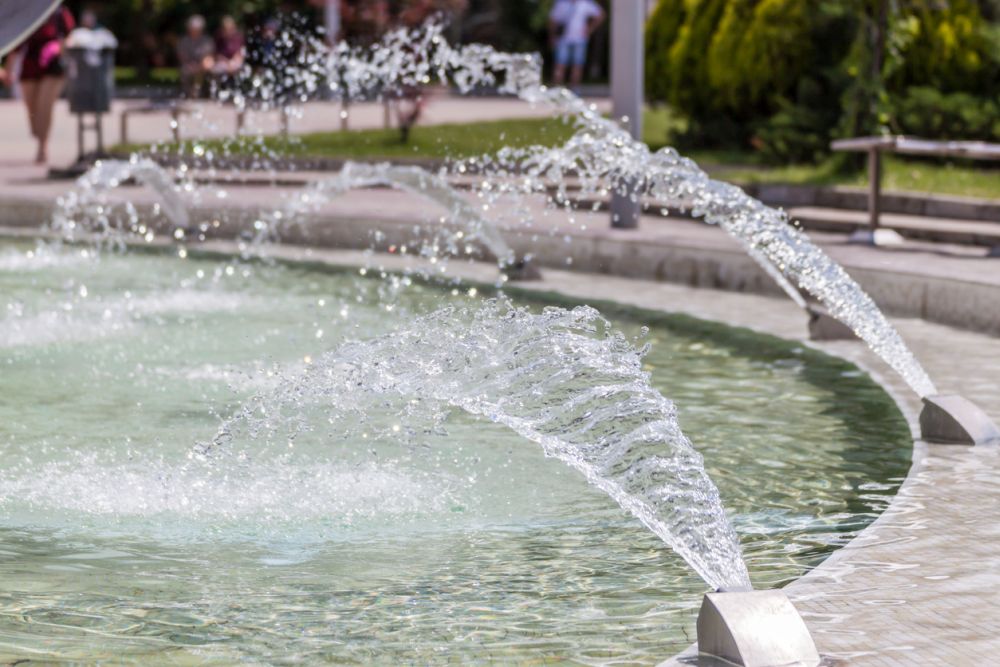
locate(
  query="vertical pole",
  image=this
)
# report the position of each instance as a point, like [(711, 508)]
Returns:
[(331, 16), (175, 123), (99, 127), (79, 137), (874, 187), (627, 46)]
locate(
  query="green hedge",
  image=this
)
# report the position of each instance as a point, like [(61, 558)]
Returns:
[(927, 112)]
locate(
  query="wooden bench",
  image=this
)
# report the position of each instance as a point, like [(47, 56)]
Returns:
[(875, 146)]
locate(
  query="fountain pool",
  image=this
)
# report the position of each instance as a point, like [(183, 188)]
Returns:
[(403, 531)]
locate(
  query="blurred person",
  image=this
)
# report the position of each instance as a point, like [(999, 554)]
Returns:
[(416, 12), (89, 20), (571, 23), (42, 75), (229, 44), (92, 37), (11, 75), (196, 53), (268, 42)]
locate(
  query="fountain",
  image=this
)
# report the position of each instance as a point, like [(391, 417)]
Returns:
[(603, 153), (562, 378), (86, 201), (591, 407), (398, 469)]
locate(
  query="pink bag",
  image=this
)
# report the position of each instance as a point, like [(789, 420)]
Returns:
[(50, 52)]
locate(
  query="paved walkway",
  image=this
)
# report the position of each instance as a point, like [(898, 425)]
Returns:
[(214, 120)]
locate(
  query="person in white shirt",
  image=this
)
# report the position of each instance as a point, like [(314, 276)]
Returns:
[(571, 23)]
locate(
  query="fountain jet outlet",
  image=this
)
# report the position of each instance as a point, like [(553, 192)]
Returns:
[(953, 420), (521, 269), (823, 326), (754, 629)]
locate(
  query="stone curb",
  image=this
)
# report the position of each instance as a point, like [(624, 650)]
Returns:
[(716, 263)]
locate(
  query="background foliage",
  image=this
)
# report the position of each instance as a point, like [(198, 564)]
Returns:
[(786, 76)]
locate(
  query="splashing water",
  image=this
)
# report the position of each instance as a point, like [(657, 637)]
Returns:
[(582, 396), (86, 205), (452, 539), (602, 153), (561, 379), (418, 181), (599, 155)]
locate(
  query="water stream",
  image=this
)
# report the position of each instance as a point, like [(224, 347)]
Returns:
[(562, 379), (602, 154), (554, 378)]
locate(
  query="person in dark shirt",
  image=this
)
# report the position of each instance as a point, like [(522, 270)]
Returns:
[(228, 47), (42, 75), (196, 53)]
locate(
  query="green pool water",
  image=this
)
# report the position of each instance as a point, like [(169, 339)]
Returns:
[(409, 542)]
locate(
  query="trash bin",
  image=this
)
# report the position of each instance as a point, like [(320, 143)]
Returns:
[(91, 80), (91, 70)]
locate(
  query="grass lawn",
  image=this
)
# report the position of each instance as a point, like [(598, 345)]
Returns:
[(962, 178), (158, 76), (465, 140), (430, 142)]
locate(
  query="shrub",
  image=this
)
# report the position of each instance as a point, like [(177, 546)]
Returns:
[(791, 74), (661, 33), (947, 45), (730, 65), (797, 133), (927, 112)]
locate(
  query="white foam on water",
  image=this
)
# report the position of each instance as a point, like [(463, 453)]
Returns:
[(267, 498), (80, 318), (562, 379), (61, 325), (41, 257), (244, 378), (184, 300)]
